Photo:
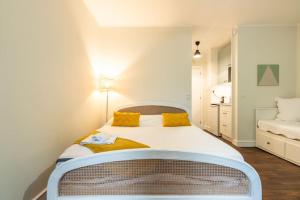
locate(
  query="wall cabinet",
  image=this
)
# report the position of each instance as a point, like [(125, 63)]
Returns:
[(224, 64)]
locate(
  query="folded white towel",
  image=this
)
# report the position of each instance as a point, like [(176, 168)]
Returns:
[(100, 138)]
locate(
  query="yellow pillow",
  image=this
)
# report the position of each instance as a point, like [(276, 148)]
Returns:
[(126, 119), (175, 119)]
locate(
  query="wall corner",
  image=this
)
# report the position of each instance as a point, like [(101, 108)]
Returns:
[(298, 62)]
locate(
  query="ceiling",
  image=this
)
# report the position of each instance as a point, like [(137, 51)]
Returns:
[(212, 19)]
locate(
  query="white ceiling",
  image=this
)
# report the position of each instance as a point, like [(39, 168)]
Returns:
[(213, 19)]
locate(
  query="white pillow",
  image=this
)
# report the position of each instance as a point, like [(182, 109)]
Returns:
[(150, 120), (288, 109), (145, 121)]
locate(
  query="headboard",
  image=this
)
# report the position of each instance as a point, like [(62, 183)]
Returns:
[(151, 109)]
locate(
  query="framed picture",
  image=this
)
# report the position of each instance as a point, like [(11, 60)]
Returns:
[(268, 75)]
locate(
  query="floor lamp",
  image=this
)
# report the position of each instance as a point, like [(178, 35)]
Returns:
[(106, 85)]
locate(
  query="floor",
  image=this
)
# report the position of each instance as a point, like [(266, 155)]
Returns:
[(280, 179)]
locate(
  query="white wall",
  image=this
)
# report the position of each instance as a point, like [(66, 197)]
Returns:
[(197, 88), (148, 64), (47, 92), (210, 79), (262, 45), (51, 53), (234, 68), (298, 60)]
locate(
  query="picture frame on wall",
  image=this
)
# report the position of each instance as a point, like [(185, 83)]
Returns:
[(268, 75)]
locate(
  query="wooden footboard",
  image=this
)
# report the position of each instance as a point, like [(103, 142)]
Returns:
[(154, 174)]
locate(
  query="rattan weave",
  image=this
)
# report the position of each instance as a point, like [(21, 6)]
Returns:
[(154, 177)]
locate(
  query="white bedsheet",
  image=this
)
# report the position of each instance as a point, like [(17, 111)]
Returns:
[(290, 129), (185, 138)]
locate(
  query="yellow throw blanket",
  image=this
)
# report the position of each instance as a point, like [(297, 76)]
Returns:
[(120, 143)]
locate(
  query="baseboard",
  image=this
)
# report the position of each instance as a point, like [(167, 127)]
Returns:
[(206, 127), (244, 143), (40, 194)]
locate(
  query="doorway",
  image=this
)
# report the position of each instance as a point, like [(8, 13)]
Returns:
[(197, 100)]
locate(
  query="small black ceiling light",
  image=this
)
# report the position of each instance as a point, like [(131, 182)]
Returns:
[(197, 53)]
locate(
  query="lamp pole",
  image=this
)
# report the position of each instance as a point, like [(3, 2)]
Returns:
[(106, 116), (106, 86)]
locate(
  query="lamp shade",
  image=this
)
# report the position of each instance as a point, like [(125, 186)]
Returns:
[(106, 84), (197, 54)]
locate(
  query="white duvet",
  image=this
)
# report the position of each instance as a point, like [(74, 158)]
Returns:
[(184, 138), (290, 129)]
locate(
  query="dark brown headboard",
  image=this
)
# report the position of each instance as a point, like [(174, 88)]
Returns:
[(152, 109)]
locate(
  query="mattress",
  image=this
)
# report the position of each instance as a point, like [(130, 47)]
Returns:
[(290, 129), (184, 138)]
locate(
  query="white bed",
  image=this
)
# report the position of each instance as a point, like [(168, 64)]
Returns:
[(189, 139), (190, 149), (278, 137), (290, 129)]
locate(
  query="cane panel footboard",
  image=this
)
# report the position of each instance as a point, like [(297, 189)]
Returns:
[(154, 177), (161, 174)]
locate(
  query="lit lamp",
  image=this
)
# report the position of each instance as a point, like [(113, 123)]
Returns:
[(106, 85)]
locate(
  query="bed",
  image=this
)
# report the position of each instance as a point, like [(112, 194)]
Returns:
[(182, 163), (289, 129), (281, 138)]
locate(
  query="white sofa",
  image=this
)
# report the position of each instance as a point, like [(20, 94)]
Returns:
[(277, 144)]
